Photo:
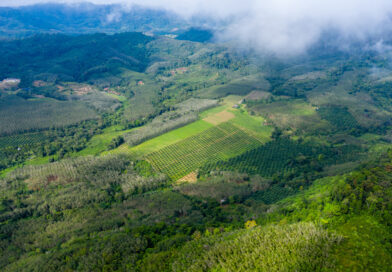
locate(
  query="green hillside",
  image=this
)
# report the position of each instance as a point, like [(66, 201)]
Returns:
[(129, 152)]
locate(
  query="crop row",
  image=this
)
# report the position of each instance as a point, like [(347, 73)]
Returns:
[(276, 156), (217, 143), (340, 117), (21, 140)]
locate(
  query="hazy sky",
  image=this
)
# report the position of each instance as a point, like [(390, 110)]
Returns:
[(282, 26)]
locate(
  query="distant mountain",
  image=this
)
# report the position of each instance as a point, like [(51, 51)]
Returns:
[(74, 57), (196, 35), (85, 18)]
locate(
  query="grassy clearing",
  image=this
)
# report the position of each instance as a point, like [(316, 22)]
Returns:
[(293, 114), (212, 111), (183, 113), (217, 143), (99, 143), (118, 97), (252, 124)]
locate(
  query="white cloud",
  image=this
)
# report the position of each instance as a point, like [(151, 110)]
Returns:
[(282, 26)]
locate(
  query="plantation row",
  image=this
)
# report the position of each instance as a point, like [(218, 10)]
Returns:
[(19, 115), (21, 140), (217, 143), (280, 156), (114, 169), (340, 117), (59, 172)]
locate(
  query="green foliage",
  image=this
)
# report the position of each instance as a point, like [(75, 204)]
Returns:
[(283, 156), (297, 247), (92, 56), (100, 213), (116, 142), (21, 139), (55, 142)]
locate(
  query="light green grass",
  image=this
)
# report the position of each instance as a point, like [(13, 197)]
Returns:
[(212, 111), (252, 124), (99, 143), (4, 172), (118, 97), (38, 160), (167, 139), (33, 161)]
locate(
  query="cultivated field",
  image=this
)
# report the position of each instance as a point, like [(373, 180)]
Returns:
[(21, 139), (19, 115), (217, 143)]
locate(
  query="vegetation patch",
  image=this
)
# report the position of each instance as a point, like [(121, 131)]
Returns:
[(297, 247), (282, 156), (290, 114), (340, 117)]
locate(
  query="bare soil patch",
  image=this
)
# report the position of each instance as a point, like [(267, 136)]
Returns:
[(191, 178), (81, 89), (219, 118), (9, 83)]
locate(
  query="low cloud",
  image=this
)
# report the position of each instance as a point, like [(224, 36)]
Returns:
[(280, 26)]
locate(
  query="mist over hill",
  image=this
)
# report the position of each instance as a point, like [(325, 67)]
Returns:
[(194, 135)]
